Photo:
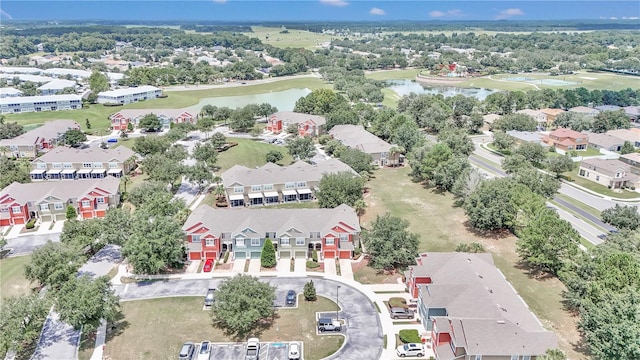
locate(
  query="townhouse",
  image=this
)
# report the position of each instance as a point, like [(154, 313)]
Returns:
[(121, 119), (56, 86), (356, 137), (10, 92), (614, 174), (65, 163), (20, 104), (307, 125), (470, 311), (40, 139), (15, 79), (584, 110), (74, 73), (567, 140), (295, 233), (274, 184), (48, 201), (129, 95)]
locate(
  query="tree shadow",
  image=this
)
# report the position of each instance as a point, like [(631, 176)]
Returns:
[(533, 272), (492, 235), (116, 327), (258, 329)]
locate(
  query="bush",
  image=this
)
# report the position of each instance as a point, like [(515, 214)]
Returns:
[(323, 139), (410, 336), (31, 224), (71, 213), (314, 256), (309, 291), (268, 255), (226, 256), (312, 265)]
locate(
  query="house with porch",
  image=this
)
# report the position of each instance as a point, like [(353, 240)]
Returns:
[(275, 184), (295, 233), (63, 163), (356, 137), (614, 174), (633, 160), (308, 125), (470, 311), (567, 140), (40, 139), (121, 119), (48, 200), (633, 112)]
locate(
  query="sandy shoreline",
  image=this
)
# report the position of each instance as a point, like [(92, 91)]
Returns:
[(439, 81)]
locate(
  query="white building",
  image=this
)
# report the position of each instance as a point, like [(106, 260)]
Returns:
[(56, 86), (114, 78), (77, 74), (19, 70), (9, 92), (129, 95), (38, 79), (11, 105)]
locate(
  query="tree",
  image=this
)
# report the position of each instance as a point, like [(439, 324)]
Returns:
[(520, 122), (339, 188), (503, 141), (560, 164), (53, 264), (116, 226), (242, 119), (407, 135), (73, 137), (82, 234), (124, 134), (424, 160), (466, 184), (512, 163), (445, 174), (309, 291), (129, 127), (206, 153), (13, 171), (622, 217), (266, 110), (98, 82), (537, 181), (301, 148), (536, 154), (389, 243), (268, 254), (9, 130), (243, 303), (145, 145), (218, 140), (273, 156), (548, 242), (71, 213), (150, 122), (553, 354), (627, 148), (21, 320), (358, 160), (87, 123), (457, 140), (490, 207), (199, 174), (155, 244), (473, 247), (141, 195), (83, 302), (205, 125), (609, 120), (165, 170), (319, 102)]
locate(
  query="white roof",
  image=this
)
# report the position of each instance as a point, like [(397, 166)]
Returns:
[(255, 195), (304, 191), (98, 171), (68, 171), (58, 84), (38, 171), (19, 70), (84, 171), (10, 91), (271, 194), (289, 192), (114, 171), (34, 99), (73, 72), (129, 91), (27, 77), (236, 197), (115, 76), (54, 171)]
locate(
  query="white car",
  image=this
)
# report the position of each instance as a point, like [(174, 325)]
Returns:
[(411, 349), (205, 351), (294, 351)]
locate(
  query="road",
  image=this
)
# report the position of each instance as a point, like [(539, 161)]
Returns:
[(363, 329)]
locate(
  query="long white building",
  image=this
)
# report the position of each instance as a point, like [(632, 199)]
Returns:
[(129, 95), (20, 104)]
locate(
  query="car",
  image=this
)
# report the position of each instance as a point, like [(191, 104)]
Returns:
[(208, 265), (112, 140), (326, 324), (205, 351), (253, 349), (400, 313), (291, 298), (294, 351), (602, 236), (210, 297), (186, 351), (411, 349)]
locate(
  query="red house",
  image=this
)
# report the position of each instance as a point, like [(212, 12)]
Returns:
[(308, 125), (39, 139), (121, 119)]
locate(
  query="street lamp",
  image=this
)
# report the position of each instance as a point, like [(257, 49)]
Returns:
[(337, 303)]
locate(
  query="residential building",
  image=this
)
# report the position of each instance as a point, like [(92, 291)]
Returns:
[(56, 86), (20, 104), (490, 118), (627, 135), (274, 184), (585, 110), (19, 70), (633, 160), (129, 95), (40, 139), (64, 163), (607, 108), (470, 310), (356, 137), (537, 115), (9, 92), (38, 79), (526, 136), (605, 141), (48, 200), (614, 174), (308, 125), (567, 140), (74, 73), (121, 119), (551, 114), (114, 78), (295, 233), (633, 112)]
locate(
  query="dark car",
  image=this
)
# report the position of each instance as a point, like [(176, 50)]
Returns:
[(291, 298), (187, 350)]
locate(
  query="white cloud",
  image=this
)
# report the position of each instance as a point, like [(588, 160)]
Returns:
[(5, 15), (219, 1), (339, 3), (448, 13), (376, 11), (436, 14), (630, 17), (505, 14)]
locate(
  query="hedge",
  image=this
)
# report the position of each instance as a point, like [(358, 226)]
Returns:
[(31, 224), (410, 336)]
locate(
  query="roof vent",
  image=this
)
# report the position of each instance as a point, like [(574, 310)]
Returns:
[(501, 322)]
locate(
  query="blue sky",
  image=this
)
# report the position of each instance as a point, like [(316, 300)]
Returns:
[(316, 10)]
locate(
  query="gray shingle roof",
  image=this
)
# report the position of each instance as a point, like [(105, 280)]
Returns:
[(291, 117), (355, 136), (605, 140), (50, 130), (134, 113), (65, 154), (63, 190)]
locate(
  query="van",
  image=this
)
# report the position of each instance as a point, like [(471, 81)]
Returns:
[(400, 313), (186, 352)]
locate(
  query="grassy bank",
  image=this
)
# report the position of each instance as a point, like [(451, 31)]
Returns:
[(12, 279)]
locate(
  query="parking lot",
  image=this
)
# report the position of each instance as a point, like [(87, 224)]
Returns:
[(268, 351)]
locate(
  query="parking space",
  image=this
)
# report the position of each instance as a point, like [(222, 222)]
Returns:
[(281, 299), (227, 351), (268, 351), (275, 351)]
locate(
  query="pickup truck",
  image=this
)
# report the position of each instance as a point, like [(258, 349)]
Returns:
[(253, 349)]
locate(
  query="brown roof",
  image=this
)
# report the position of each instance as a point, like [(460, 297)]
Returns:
[(632, 157), (605, 140), (291, 117), (550, 111), (568, 133), (65, 154), (606, 167), (625, 134), (355, 136)]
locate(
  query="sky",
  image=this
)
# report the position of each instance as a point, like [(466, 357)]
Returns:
[(316, 10)]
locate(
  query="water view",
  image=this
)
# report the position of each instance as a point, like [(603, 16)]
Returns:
[(284, 100), (406, 87)]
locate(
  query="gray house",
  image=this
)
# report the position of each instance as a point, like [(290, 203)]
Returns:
[(605, 141), (356, 137)]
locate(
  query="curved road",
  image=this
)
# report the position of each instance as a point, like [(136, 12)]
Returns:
[(363, 329)]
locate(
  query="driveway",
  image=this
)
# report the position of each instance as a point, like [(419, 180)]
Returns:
[(363, 331), (25, 244)]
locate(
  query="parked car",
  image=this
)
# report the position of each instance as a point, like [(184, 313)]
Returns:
[(411, 349), (205, 351), (400, 313), (253, 349), (112, 140), (187, 351), (291, 298), (210, 297), (294, 351), (208, 265), (326, 324)]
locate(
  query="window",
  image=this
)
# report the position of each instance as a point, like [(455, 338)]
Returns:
[(256, 188), (478, 357), (514, 357), (58, 206), (68, 165), (301, 184), (86, 165), (267, 187), (196, 238), (238, 189), (4, 209), (41, 166), (57, 165), (270, 235), (284, 241), (330, 241), (344, 236), (299, 241), (16, 209), (240, 242), (100, 200), (44, 207), (210, 242), (86, 203), (618, 175), (97, 165), (314, 235), (526, 357), (597, 177), (255, 242), (113, 165), (290, 185)]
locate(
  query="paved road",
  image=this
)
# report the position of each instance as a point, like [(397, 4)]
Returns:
[(363, 330)]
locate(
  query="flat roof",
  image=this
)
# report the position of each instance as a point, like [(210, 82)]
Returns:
[(129, 91), (255, 195), (34, 99), (236, 197), (271, 194), (304, 191), (289, 192)]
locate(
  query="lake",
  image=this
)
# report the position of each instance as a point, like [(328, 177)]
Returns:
[(284, 100), (406, 87)]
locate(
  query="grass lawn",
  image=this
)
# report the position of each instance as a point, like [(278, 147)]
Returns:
[(12, 279), (589, 152), (588, 80), (250, 153), (128, 142), (393, 74), (294, 38), (155, 329), (441, 226), (300, 205), (600, 189), (391, 99)]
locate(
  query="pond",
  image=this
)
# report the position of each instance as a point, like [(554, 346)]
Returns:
[(406, 87), (284, 100), (551, 82)]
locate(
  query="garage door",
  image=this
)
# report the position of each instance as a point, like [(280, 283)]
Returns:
[(87, 215), (46, 218), (329, 254), (345, 254), (194, 255), (18, 221), (241, 255), (255, 255), (100, 213), (5, 222), (209, 254), (285, 254), (301, 255), (61, 217)]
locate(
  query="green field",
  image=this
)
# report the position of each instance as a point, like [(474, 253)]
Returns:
[(294, 38), (588, 80), (12, 279), (393, 74), (250, 153)]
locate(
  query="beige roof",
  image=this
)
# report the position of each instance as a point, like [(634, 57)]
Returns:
[(632, 110), (533, 113), (271, 173), (62, 190), (355, 136), (50, 130), (625, 134), (134, 113), (281, 221), (605, 140), (632, 157), (65, 154), (550, 111), (606, 167), (490, 118), (291, 117), (584, 110)]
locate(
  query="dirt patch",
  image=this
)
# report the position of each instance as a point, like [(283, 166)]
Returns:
[(223, 267)]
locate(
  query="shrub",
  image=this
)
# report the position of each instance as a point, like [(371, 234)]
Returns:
[(309, 291), (314, 256), (268, 255), (312, 265), (323, 139), (31, 224), (409, 336), (226, 256), (71, 213)]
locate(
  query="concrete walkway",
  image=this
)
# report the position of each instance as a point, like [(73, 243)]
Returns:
[(284, 266), (238, 266), (330, 267), (254, 267), (300, 267), (346, 270), (101, 339)]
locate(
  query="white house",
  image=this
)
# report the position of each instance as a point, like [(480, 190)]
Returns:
[(19, 70), (56, 86), (19, 104), (9, 92), (75, 73), (129, 95), (38, 79)]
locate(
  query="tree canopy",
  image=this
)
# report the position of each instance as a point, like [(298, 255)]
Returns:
[(150, 122), (53, 264), (301, 148), (73, 137), (339, 188), (622, 217), (156, 244), (389, 243)]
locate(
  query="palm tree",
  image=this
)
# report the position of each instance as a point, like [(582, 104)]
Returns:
[(395, 152), (125, 180)]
